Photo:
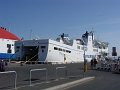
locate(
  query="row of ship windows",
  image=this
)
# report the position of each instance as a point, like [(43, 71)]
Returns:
[(78, 47), (82, 48), (60, 49), (90, 56), (95, 50), (41, 47)]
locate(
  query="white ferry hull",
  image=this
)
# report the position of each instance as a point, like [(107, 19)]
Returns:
[(47, 52), (61, 50), (56, 56)]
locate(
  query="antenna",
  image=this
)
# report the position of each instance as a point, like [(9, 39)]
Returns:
[(93, 33)]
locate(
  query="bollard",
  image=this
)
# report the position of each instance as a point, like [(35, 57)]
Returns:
[(21, 64)]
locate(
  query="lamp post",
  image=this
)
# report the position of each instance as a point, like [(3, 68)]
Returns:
[(85, 63)]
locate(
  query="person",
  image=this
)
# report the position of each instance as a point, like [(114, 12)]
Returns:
[(117, 64), (91, 63), (95, 63), (6, 64), (2, 67)]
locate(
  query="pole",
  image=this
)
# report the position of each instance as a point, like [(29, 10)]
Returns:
[(85, 63), (9, 57)]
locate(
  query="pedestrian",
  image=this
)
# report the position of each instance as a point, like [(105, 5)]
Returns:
[(117, 64), (91, 63), (2, 66), (95, 63), (6, 64)]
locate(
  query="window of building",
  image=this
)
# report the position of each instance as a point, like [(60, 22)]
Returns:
[(9, 48), (95, 50), (43, 46), (63, 50), (8, 45), (42, 51), (60, 49), (78, 47), (55, 48), (9, 51), (82, 48), (68, 51)]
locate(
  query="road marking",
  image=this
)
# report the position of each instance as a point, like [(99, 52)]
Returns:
[(70, 84), (24, 86)]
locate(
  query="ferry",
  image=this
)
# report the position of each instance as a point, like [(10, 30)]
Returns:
[(7, 41), (62, 50)]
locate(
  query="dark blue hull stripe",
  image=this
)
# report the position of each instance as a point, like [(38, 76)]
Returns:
[(7, 56)]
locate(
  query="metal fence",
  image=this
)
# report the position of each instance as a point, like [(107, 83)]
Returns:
[(33, 70), (8, 72), (57, 68)]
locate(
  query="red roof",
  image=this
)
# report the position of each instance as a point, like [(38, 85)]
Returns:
[(7, 35)]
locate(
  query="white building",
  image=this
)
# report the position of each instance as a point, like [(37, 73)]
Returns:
[(7, 41), (61, 50)]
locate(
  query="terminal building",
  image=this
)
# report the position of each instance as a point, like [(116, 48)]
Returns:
[(7, 41)]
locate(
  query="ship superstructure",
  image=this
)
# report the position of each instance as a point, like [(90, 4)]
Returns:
[(95, 48), (61, 50)]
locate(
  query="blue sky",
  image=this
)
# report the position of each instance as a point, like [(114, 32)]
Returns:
[(49, 18)]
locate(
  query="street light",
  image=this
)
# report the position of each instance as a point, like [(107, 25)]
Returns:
[(85, 62)]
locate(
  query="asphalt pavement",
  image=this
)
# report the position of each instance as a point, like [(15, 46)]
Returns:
[(103, 81), (64, 73), (71, 73)]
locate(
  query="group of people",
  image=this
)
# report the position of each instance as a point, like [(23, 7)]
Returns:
[(94, 63)]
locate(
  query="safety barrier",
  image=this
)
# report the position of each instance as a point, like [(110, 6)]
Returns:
[(11, 72), (43, 69), (57, 71)]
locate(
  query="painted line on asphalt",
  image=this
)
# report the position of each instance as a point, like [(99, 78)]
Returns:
[(71, 84), (24, 86)]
